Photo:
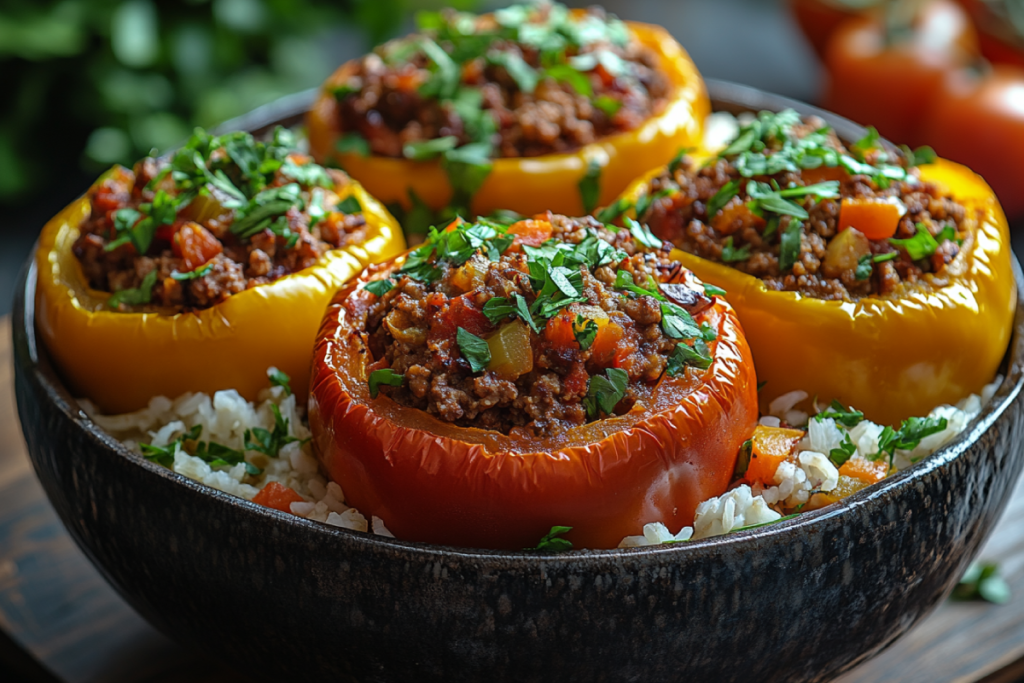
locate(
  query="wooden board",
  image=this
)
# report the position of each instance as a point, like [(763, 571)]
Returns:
[(58, 607)]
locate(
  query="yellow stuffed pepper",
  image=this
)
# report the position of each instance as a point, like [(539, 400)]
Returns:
[(877, 277), (533, 108), (201, 271)]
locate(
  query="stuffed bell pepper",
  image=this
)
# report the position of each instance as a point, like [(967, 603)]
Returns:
[(532, 108), (198, 271), (501, 380), (877, 276)]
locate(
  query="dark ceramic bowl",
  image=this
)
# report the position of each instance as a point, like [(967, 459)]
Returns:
[(284, 598)]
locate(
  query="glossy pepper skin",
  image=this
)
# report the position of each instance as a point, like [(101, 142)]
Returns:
[(531, 185), (436, 482), (121, 360), (896, 356)]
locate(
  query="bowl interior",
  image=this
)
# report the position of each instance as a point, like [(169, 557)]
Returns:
[(725, 97)]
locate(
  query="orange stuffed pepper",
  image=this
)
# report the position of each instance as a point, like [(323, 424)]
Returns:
[(876, 276), (532, 108)]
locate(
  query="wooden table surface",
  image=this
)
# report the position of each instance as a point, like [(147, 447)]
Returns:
[(56, 605)]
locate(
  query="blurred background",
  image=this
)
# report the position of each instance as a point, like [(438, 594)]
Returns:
[(87, 83)]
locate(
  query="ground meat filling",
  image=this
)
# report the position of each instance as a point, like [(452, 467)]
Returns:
[(545, 380), (868, 225), (192, 256), (545, 82)]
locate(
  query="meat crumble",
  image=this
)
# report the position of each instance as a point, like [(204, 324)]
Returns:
[(789, 203), (481, 328), (221, 215)]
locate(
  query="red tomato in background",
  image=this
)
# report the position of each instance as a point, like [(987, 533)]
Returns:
[(888, 79), (1000, 43), (819, 19), (979, 121)]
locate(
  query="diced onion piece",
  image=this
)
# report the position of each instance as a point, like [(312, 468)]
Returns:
[(511, 352), (399, 326), (470, 275), (844, 252), (876, 217), (771, 447)]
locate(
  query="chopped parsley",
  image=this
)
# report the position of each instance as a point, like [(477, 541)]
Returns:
[(585, 332), (730, 254), (379, 287), (474, 349), (790, 243), (551, 543), (192, 275), (983, 582), (699, 356), (844, 452), (269, 442), (643, 235), (922, 244), (907, 437), (722, 197), (498, 307), (712, 290), (590, 186), (845, 416), (280, 379), (605, 392), (743, 459), (135, 296), (164, 455), (386, 376), (353, 143)]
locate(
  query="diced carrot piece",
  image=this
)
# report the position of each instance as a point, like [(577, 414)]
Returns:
[(865, 470), (277, 496), (606, 343), (195, 245), (812, 176), (877, 218), (531, 232), (734, 216), (771, 447)]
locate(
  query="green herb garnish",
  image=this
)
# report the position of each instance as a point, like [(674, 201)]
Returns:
[(590, 186), (280, 379), (605, 392), (551, 543), (270, 442), (136, 296), (474, 349), (732, 255), (585, 332), (699, 356), (386, 376), (844, 452)]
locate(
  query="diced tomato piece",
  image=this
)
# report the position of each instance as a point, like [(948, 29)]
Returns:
[(877, 218), (771, 447), (531, 232), (559, 331), (195, 246), (603, 351), (167, 232), (277, 496), (464, 314)]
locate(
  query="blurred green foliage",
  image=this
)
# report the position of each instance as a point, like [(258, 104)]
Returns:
[(91, 82)]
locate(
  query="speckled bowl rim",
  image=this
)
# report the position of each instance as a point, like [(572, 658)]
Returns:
[(725, 97)]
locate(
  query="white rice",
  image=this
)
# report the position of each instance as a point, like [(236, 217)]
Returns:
[(226, 416), (812, 470)]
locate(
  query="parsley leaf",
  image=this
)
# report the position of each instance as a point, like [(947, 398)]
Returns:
[(879, 258), (849, 417), (551, 543), (732, 255), (604, 393), (844, 452), (643, 235), (908, 436), (613, 212), (590, 186), (609, 105), (379, 287), (164, 455), (522, 73), (564, 73), (385, 376), (743, 460), (474, 349), (789, 251), (585, 332), (624, 280), (722, 197), (267, 442), (498, 308), (699, 356), (982, 582), (422, 150), (712, 290), (137, 296), (864, 267), (920, 156), (920, 245), (677, 323), (349, 205), (192, 275), (280, 379), (353, 143)]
